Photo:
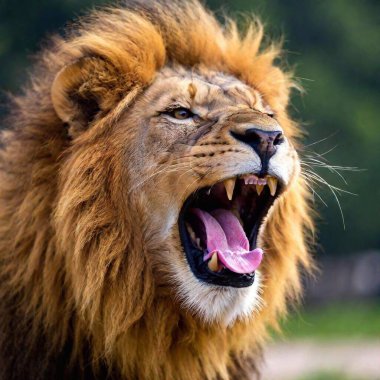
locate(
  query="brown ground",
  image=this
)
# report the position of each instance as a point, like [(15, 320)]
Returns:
[(357, 359)]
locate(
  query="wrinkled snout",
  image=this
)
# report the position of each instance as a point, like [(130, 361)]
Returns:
[(263, 142)]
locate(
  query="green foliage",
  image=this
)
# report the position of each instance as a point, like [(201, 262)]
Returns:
[(25, 25), (327, 376), (334, 48), (335, 321)]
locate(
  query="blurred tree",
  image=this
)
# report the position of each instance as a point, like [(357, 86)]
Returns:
[(334, 48)]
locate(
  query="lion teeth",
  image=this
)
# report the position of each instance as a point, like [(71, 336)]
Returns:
[(272, 184), (213, 263), (250, 179), (192, 235), (259, 188), (229, 184)]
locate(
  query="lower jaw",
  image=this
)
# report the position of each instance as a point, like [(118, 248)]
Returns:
[(221, 305)]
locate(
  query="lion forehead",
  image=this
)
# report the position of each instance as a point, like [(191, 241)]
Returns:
[(202, 88)]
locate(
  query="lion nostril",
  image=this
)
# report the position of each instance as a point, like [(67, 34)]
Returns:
[(254, 138), (279, 139)]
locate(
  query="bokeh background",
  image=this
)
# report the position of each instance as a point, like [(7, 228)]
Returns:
[(334, 48)]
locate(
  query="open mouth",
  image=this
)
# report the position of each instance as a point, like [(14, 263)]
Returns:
[(219, 226)]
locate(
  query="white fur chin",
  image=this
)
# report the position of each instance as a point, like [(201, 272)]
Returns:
[(218, 304)]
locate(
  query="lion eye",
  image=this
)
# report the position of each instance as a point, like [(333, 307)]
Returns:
[(181, 113)]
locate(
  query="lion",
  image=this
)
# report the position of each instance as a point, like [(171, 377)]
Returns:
[(154, 217)]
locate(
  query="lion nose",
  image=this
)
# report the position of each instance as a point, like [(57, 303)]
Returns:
[(264, 143)]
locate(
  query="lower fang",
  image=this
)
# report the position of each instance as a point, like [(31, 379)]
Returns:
[(213, 264), (191, 232)]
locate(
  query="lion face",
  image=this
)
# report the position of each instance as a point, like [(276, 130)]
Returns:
[(210, 164)]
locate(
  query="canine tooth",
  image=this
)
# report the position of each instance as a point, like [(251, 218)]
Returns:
[(229, 184), (213, 263), (259, 188), (272, 184), (191, 233), (208, 191)]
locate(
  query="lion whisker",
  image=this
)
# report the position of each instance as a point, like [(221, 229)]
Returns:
[(314, 192), (191, 184), (316, 178), (321, 140), (164, 170)]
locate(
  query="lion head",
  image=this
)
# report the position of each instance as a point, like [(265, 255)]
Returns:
[(154, 219)]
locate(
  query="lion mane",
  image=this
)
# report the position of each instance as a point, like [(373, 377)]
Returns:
[(79, 296)]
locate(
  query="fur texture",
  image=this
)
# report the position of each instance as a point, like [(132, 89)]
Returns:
[(83, 287)]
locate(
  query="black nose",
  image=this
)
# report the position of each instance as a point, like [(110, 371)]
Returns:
[(264, 143)]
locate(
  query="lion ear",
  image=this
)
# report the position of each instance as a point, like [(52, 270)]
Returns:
[(85, 90)]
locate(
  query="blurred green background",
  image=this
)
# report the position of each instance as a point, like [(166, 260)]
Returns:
[(334, 47)]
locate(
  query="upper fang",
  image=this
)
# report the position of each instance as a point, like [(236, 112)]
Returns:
[(259, 188), (272, 184), (229, 184)]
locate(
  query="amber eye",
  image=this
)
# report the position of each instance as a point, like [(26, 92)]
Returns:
[(181, 113)]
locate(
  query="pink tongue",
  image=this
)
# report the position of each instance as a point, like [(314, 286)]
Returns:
[(226, 237)]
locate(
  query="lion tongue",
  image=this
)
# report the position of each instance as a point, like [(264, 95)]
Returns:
[(226, 237)]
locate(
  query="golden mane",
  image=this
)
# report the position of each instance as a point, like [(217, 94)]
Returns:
[(74, 286)]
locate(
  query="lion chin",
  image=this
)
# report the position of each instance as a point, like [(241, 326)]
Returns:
[(154, 217)]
